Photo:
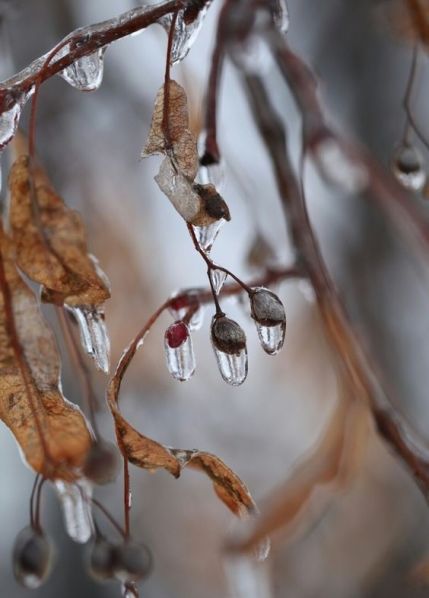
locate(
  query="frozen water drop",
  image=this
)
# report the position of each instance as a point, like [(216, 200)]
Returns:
[(179, 351), (93, 334), (9, 119), (338, 168), (281, 15), (188, 25), (218, 279), (86, 73), (407, 167), (229, 345), (270, 319), (129, 590), (206, 235), (262, 550), (75, 501), (182, 304), (246, 578), (210, 174)]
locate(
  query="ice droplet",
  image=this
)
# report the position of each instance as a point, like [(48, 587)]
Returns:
[(75, 501), (186, 31), (246, 578), (281, 15), (129, 590), (206, 235), (179, 351), (270, 319), (9, 119), (407, 167), (86, 73), (229, 345), (211, 174), (93, 334), (182, 303), (338, 168), (218, 279)]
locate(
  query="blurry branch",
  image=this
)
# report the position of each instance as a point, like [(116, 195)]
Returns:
[(79, 43), (356, 369)]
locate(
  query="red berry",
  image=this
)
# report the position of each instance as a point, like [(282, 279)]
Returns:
[(176, 334)]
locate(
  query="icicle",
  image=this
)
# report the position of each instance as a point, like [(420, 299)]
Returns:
[(75, 500), (212, 174), (86, 73), (9, 119), (338, 168), (246, 578), (229, 345), (407, 167), (179, 351), (94, 335), (129, 590), (218, 279), (206, 235), (270, 319), (180, 306), (281, 15), (186, 31)]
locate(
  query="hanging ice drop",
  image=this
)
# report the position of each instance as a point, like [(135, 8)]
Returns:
[(94, 335), (75, 501), (188, 25), (9, 119), (229, 344), (206, 235), (281, 15), (270, 319), (218, 278), (179, 352), (86, 73), (407, 167)]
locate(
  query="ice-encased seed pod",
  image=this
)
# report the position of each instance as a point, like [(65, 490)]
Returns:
[(32, 558), (179, 351), (102, 559), (270, 318), (407, 167), (102, 463), (133, 561), (229, 344)]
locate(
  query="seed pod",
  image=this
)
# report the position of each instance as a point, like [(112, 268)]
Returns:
[(229, 344), (407, 166), (102, 463), (269, 314), (102, 558), (32, 558), (132, 561)]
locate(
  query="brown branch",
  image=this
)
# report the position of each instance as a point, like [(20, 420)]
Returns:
[(82, 42), (337, 327)]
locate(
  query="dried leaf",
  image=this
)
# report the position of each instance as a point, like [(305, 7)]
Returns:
[(183, 148), (50, 241), (408, 19), (51, 432)]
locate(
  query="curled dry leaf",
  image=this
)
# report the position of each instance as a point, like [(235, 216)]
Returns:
[(183, 145), (149, 454), (332, 465), (50, 241), (51, 432), (408, 19)]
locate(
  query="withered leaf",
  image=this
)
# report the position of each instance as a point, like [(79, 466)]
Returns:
[(50, 241), (408, 19), (183, 150), (149, 454), (51, 432)]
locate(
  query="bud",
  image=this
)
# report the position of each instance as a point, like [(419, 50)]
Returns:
[(102, 463), (229, 344), (179, 352), (132, 561), (102, 558), (32, 558), (269, 314)]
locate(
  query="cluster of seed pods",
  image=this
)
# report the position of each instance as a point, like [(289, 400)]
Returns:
[(227, 336)]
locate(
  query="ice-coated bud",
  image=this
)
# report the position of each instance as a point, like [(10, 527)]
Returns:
[(132, 561), (407, 167), (269, 314), (102, 463), (102, 559), (32, 558), (179, 352), (229, 344)]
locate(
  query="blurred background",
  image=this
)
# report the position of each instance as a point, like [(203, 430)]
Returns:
[(372, 535)]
